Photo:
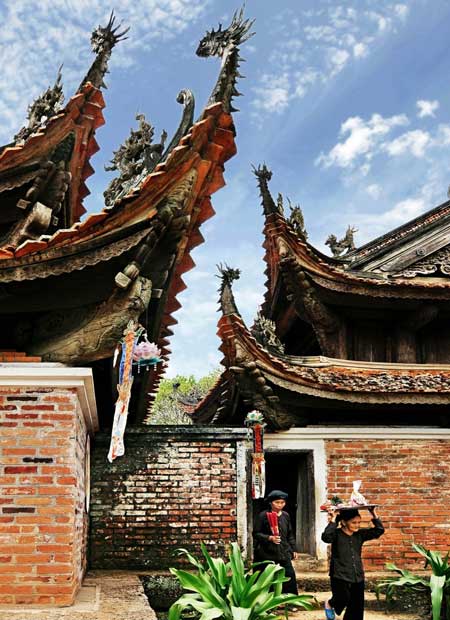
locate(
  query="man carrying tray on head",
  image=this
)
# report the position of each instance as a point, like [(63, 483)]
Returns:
[(346, 567)]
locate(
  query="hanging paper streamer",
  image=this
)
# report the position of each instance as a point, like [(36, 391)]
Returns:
[(132, 354), (255, 424)]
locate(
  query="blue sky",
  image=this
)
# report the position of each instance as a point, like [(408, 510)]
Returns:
[(347, 102)]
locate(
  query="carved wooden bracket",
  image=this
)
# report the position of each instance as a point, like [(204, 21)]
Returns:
[(328, 327)]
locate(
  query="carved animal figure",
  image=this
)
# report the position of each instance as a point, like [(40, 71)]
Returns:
[(136, 156), (346, 244), (263, 331), (225, 44), (296, 220), (44, 107)]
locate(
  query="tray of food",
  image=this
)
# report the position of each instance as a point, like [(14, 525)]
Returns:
[(326, 507), (357, 501)]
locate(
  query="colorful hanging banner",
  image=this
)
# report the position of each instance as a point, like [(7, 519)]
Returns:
[(130, 337), (255, 424)]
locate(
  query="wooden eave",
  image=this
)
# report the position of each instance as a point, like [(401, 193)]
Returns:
[(81, 116), (332, 379)]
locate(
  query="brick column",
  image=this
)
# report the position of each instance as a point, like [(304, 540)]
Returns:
[(47, 413)]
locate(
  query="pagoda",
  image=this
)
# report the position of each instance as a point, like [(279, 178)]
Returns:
[(349, 362)]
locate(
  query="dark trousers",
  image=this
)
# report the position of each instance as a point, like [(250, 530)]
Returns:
[(289, 587), (348, 596)]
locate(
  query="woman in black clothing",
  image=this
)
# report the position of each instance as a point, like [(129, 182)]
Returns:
[(346, 568), (274, 538)]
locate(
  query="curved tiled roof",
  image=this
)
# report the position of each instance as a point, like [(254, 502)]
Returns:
[(336, 379), (82, 115)]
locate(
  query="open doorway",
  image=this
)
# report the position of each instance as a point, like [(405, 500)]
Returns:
[(293, 472)]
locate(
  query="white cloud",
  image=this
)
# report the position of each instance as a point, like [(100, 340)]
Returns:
[(374, 191), (274, 94), (332, 37), (338, 59), (360, 50), (427, 108), (414, 142), (402, 10), (363, 136)]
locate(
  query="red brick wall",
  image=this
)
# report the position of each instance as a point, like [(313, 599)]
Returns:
[(42, 526), (175, 487), (410, 479)]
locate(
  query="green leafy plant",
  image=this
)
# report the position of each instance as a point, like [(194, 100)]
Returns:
[(438, 583), (219, 589)]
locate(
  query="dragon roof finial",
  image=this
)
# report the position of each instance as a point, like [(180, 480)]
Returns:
[(227, 276), (103, 39), (225, 44), (263, 174)]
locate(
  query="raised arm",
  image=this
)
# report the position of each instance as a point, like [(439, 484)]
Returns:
[(370, 533), (329, 533)]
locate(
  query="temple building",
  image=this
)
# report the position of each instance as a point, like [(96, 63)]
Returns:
[(71, 287), (349, 362)]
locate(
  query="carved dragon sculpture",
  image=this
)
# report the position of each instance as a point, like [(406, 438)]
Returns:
[(263, 331), (103, 39), (225, 44), (136, 156), (44, 107), (227, 276), (346, 244), (296, 220)]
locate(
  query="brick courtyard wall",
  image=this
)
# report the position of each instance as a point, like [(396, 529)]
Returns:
[(410, 479), (43, 520), (175, 487)]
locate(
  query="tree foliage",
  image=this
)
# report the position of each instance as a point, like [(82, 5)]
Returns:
[(176, 394)]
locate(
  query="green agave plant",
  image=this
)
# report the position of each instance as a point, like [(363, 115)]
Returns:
[(438, 583), (219, 589)]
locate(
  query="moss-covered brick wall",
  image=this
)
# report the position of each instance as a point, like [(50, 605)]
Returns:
[(174, 487)]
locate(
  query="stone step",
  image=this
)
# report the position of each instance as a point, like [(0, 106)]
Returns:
[(307, 563)]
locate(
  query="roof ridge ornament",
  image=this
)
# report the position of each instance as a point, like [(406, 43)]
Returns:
[(44, 107), (346, 244), (225, 44), (264, 175), (227, 276), (296, 220), (264, 331), (103, 39), (134, 159)]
